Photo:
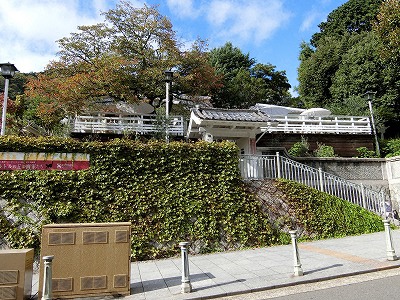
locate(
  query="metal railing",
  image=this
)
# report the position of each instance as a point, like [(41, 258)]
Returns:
[(327, 124), (142, 124), (255, 167)]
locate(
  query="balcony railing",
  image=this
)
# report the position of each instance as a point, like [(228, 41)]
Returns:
[(120, 124), (329, 124)]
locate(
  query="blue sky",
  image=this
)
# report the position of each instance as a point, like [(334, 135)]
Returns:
[(271, 31)]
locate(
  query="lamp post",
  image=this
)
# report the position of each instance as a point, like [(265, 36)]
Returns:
[(168, 79), (370, 97), (7, 71)]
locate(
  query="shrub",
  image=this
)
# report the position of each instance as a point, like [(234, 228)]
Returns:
[(300, 149), (391, 147), (324, 216), (364, 152), (324, 151)]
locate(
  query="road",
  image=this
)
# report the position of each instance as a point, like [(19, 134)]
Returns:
[(376, 285)]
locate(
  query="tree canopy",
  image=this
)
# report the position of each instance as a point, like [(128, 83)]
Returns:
[(246, 82), (124, 59), (344, 60)]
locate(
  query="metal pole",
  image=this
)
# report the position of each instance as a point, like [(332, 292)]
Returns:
[(47, 278), (166, 111), (378, 151), (3, 117), (186, 286), (390, 253), (298, 271)]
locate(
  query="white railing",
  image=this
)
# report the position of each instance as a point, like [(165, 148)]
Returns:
[(275, 166), (119, 124), (329, 124)]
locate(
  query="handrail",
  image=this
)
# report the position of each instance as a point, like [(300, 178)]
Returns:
[(328, 124), (110, 123), (255, 167)]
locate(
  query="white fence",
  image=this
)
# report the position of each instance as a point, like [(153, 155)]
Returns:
[(119, 124), (275, 166), (328, 124)]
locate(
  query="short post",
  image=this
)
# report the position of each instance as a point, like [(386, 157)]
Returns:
[(47, 277), (186, 286), (390, 253), (298, 271)]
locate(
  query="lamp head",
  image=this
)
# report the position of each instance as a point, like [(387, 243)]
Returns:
[(168, 75), (8, 70), (369, 95)]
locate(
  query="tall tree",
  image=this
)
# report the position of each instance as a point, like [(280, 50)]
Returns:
[(246, 83), (342, 62), (354, 16), (387, 27), (195, 74), (122, 58)]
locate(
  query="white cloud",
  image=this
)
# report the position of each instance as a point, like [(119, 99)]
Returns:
[(30, 28), (247, 21), (183, 8), (309, 21)]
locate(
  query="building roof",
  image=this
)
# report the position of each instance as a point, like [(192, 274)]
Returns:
[(226, 123), (218, 114), (276, 110)]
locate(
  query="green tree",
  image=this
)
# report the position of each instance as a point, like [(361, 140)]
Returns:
[(387, 27), (16, 84), (354, 16), (343, 61), (246, 83)]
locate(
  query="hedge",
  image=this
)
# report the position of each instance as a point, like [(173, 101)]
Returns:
[(170, 192), (321, 215)]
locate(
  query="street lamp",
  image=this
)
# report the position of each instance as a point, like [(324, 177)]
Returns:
[(168, 79), (7, 71), (370, 97)]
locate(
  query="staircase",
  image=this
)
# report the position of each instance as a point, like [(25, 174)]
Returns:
[(259, 167)]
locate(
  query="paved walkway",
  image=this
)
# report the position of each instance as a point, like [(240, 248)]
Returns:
[(230, 273)]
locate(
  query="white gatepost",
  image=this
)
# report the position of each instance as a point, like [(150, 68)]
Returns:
[(278, 165), (321, 179), (363, 196)]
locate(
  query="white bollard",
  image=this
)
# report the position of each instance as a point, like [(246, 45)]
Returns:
[(186, 286), (391, 254), (298, 271), (47, 277)]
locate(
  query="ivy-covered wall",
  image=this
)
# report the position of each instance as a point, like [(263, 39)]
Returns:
[(170, 193)]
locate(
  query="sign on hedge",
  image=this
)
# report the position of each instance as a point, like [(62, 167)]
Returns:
[(10, 161)]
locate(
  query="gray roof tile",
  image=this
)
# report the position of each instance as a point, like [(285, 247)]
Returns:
[(219, 114)]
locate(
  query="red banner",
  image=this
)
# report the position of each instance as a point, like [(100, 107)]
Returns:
[(11, 161), (43, 165)]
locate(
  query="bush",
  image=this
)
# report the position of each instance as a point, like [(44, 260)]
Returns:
[(391, 147), (364, 152), (324, 151), (300, 149), (325, 216)]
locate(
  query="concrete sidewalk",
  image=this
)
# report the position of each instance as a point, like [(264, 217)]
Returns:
[(239, 272)]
